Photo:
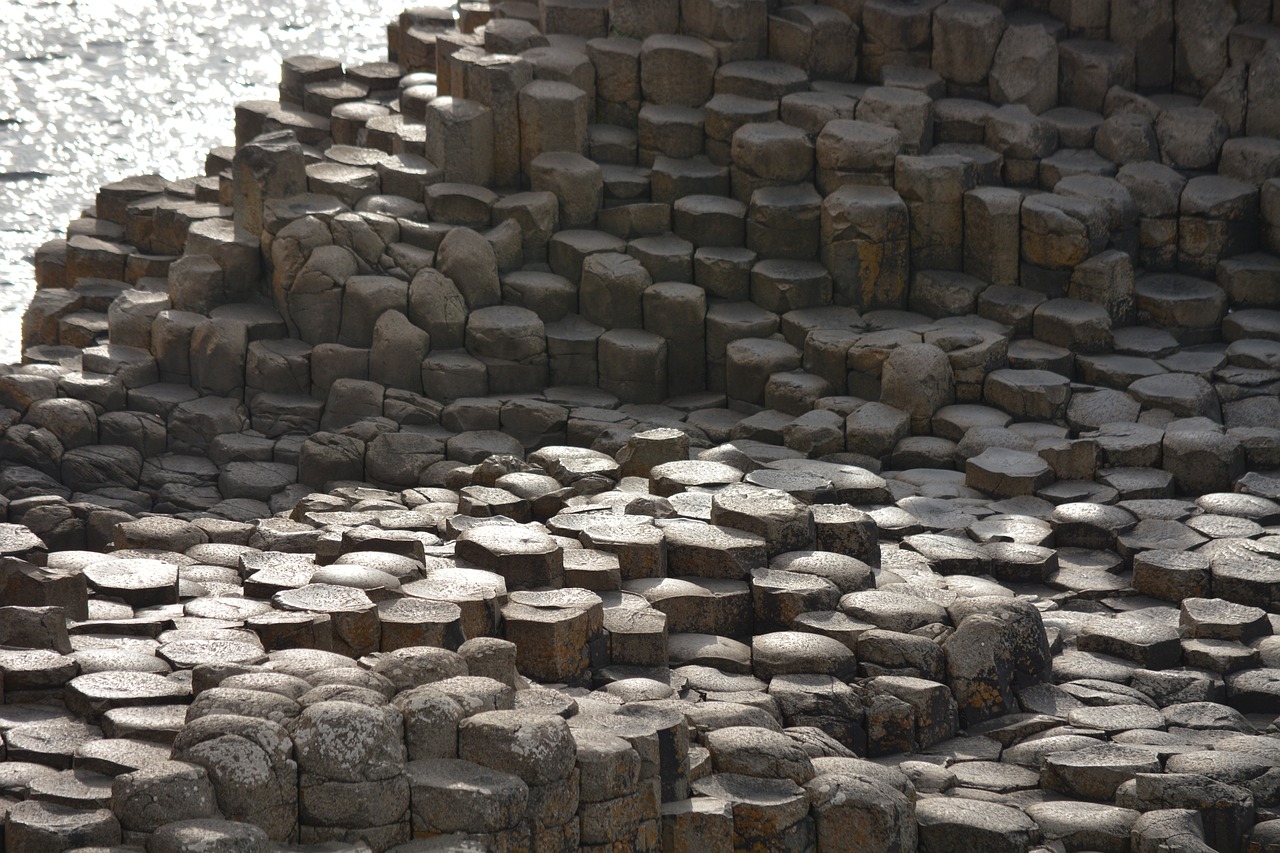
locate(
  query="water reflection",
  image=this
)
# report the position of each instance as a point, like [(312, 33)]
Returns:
[(95, 91)]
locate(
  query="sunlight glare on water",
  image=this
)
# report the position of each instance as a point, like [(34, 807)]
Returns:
[(97, 90)]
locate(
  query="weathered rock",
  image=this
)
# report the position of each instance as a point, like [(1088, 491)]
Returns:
[(250, 764), (957, 824)]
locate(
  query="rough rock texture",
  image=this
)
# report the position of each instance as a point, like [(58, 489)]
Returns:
[(669, 426)]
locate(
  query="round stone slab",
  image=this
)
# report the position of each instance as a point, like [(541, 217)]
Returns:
[(1225, 527), (954, 825), (49, 742), (398, 566), (1084, 826), (354, 615), (208, 834), (376, 583), (1112, 719), (1258, 509), (935, 514), (226, 608), (158, 724), (187, 654), (708, 679), (709, 651), (807, 486), (785, 523), (35, 825), (92, 695), (113, 756), (756, 752), (998, 776), (853, 485), (323, 598), (637, 543), (671, 478), (18, 539), (412, 621), (1095, 773), (570, 464), (78, 788), (761, 807), (1089, 573), (1254, 690), (140, 583), (949, 555), (1007, 473), (1211, 618), (789, 652), (526, 557), (538, 748), (303, 663), (1020, 529), (849, 574), (36, 669), (892, 611), (1163, 535), (456, 796)]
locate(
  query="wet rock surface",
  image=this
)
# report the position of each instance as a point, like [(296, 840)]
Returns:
[(913, 488)]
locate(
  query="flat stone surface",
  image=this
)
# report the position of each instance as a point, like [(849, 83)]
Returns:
[(893, 611), (94, 694), (1116, 718), (50, 742), (670, 478), (788, 652), (1208, 618), (955, 825), (137, 582), (113, 756), (187, 654), (323, 598), (1095, 773), (18, 539), (155, 723), (1087, 825)]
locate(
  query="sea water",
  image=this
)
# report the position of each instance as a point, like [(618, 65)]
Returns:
[(98, 90)]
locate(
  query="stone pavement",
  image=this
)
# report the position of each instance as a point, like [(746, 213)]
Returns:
[(653, 425)]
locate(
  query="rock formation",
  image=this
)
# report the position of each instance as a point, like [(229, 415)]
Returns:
[(688, 426)]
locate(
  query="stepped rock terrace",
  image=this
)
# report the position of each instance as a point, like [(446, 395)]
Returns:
[(670, 426)]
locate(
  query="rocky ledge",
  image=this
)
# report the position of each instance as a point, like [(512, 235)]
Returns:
[(689, 426), (747, 648)]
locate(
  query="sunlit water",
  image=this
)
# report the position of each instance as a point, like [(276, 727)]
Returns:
[(97, 90)]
